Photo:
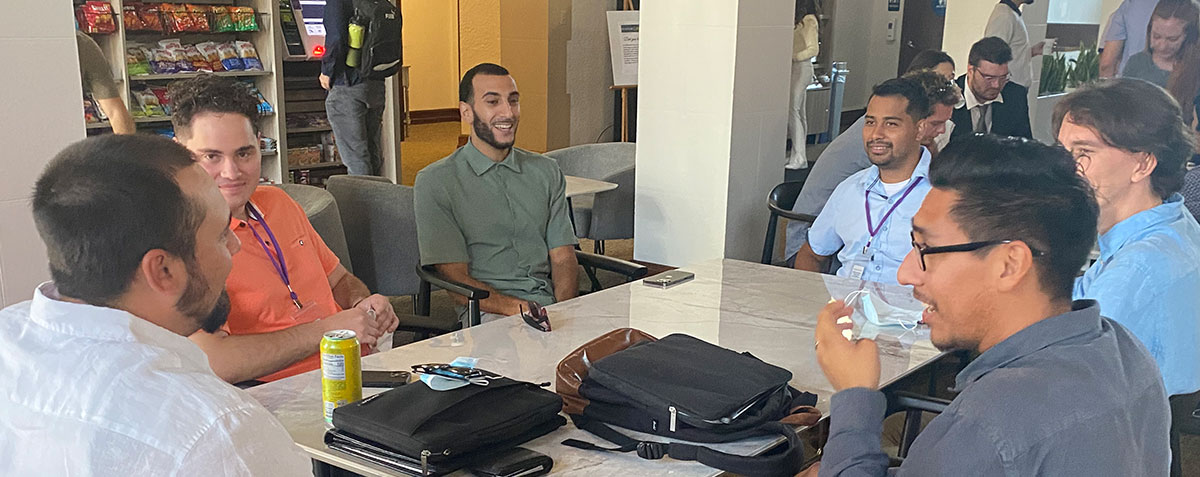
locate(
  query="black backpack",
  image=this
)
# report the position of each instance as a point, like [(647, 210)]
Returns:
[(687, 389), (381, 52)]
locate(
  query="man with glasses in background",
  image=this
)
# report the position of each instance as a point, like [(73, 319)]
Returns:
[(995, 249), (994, 104)]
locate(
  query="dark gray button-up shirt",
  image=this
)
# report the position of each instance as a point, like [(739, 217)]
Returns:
[(1074, 394)]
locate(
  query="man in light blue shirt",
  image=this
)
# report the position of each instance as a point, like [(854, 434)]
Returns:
[(845, 155), (1125, 35), (869, 215), (1148, 274)]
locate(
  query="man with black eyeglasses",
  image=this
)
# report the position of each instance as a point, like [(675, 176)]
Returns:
[(994, 104), (1057, 389)]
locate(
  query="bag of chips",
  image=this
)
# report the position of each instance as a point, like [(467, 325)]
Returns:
[(130, 18), (164, 100), (176, 18), (199, 15), (197, 59), (136, 61), (248, 55), (162, 62), (264, 107), (244, 19), (209, 50), (148, 102), (229, 57), (222, 20), (150, 16), (97, 17)]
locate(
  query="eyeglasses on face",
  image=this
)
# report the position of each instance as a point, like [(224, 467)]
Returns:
[(994, 79), (537, 317), (923, 250)]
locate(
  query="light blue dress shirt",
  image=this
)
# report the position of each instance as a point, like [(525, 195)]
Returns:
[(1148, 279), (843, 223)]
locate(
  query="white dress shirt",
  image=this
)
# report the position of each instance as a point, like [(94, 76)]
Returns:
[(1008, 25), (98, 391), (977, 113)]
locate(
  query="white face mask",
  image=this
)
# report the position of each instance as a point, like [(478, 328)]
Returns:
[(880, 313)]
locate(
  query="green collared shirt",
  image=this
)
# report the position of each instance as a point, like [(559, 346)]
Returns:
[(501, 218)]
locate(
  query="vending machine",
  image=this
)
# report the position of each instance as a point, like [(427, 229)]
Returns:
[(301, 22)]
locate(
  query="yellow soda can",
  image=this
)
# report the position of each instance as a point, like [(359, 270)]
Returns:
[(341, 370)]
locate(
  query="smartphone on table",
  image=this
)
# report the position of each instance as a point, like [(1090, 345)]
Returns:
[(669, 279), (384, 379)]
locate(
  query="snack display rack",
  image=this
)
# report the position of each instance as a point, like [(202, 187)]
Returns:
[(268, 80)]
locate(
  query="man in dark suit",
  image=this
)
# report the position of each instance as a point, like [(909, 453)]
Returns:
[(994, 104)]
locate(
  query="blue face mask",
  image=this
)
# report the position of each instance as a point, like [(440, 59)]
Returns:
[(880, 313), (441, 383)]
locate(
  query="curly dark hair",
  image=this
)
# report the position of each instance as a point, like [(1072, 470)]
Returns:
[(210, 94), (939, 89)]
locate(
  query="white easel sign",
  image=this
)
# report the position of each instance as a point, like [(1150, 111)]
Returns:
[(623, 44)]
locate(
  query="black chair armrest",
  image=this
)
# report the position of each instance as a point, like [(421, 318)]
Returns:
[(901, 400), (787, 214), (429, 274), (631, 271)]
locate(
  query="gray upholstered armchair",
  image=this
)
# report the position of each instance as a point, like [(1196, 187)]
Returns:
[(607, 215), (381, 233), (325, 217)]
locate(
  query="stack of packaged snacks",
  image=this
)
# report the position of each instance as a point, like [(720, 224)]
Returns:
[(96, 17), (171, 56), (147, 102), (173, 18)]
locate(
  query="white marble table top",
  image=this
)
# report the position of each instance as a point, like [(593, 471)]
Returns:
[(769, 311), (577, 186)]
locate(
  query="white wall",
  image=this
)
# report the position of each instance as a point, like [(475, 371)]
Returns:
[(43, 112), (965, 22), (1107, 7), (712, 77), (589, 73), (1091, 12), (860, 38)]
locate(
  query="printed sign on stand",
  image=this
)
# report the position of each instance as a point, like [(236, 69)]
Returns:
[(623, 44)]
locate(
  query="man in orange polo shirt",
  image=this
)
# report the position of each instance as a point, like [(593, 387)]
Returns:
[(286, 288)]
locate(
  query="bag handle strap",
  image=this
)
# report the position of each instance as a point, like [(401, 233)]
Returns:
[(782, 463)]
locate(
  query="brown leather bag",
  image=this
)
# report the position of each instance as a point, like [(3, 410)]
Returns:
[(573, 369)]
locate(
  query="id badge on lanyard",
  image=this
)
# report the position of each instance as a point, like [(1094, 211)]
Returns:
[(303, 310), (859, 265)]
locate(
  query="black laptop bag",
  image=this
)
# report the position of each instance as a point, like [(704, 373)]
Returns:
[(684, 388), (445, 429)]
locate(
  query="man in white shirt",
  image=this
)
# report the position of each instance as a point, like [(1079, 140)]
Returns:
[(1006, 23), (100, 378)]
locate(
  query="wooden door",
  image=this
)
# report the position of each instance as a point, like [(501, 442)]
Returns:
[(921, 29)]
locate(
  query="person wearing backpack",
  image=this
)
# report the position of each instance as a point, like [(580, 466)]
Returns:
[(355, 101)]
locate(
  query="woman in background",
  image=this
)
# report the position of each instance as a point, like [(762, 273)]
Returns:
[(1172, 32), (804, 48)]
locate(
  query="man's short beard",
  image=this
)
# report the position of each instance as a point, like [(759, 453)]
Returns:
[(484, 132), (193, 304)]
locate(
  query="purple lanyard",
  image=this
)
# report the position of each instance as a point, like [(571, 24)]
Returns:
[(872, 231), (276, 258)]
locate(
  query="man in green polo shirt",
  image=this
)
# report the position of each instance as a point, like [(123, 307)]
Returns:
[(494, 216)]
